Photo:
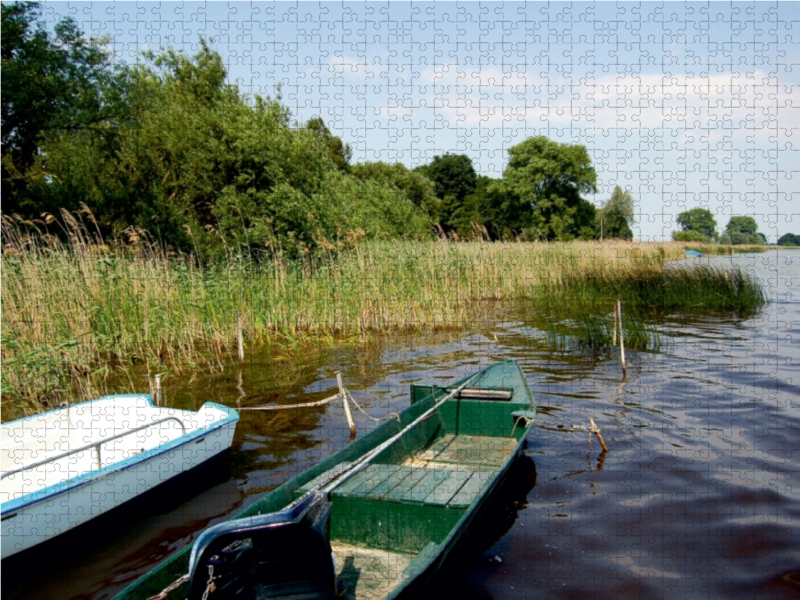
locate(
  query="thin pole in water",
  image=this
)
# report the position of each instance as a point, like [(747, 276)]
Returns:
[(343, 394), (622, 343), (239, 336), (157, 388)]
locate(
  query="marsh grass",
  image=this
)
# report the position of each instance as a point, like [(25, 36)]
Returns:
[(725, 250), (73, 312)]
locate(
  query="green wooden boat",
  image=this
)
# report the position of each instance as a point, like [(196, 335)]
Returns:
[(374, 520)]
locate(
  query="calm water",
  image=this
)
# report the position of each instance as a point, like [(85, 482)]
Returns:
[(699, 496)]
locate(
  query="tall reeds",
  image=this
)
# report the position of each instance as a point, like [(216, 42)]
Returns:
[(74, 311)]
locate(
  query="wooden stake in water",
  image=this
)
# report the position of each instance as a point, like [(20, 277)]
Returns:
[(157, 389), (622, 343), (343, 394), (596, 430), (614, 341), (239, 336)]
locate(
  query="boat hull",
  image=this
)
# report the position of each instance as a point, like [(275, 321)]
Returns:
[(47, 513)]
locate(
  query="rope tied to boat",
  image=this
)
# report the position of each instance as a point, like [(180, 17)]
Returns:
[(366, 414), (170, 588), (323, 402), (519, 418)]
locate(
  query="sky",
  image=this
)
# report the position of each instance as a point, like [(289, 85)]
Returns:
[(683, 104)]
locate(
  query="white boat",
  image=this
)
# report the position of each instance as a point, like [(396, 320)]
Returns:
[(64, 467)]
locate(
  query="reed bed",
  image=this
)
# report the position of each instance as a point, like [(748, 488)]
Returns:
[(726, 250), (73, 312)]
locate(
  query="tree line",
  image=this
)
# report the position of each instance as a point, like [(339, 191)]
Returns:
[(167, 149), (699, 225)]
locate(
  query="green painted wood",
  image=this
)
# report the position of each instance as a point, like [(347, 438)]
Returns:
[(480, 451), (447, 488), (471, 489), (319, 479), (426, 485), (403, 490), (394, 477), (362, 483), (393, 526)]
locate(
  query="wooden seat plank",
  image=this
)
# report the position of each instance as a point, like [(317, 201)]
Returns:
[(447, 488), (471, 489)]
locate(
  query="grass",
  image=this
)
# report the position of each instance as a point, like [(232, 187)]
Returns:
[(725, 250), (75, 312)]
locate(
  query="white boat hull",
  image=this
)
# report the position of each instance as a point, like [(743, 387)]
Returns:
[(37, 516)]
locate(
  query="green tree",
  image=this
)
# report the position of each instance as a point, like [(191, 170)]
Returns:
[(744, 230), (617, 215), (742, 224), (454, 178), (789, 239), (700, 220), (549, 178), (417, 188), (51, 83), (688, 236), (339, 152)]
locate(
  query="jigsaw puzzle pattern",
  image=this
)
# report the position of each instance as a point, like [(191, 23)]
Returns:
[(685, 105)]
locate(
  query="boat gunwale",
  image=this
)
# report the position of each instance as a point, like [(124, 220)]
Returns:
[(231, 417)]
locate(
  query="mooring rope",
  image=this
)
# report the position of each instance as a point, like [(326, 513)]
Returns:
[(290, 406), (366, 414)]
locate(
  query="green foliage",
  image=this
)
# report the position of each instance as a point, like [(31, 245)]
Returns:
[(742, 224), (700, 220), (339, 152), (51, 83), (202, 168), (742, 230), (549, 178), (688, 236), (789, 239), (454, 179), (616, 215), (416, 187)]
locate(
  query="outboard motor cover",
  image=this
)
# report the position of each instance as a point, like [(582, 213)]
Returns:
[(283, 555)]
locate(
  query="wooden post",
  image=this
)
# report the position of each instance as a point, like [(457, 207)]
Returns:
[(239, 336), (596, 430), (622, 343), (157, 389), (343, 394), (614, 341)]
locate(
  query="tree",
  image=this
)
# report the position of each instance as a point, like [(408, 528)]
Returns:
[(339, 152), (57, 83), (454, 178), (746, 225), (549, 178), (744, 230), (617, 215), (789, 239), (688, 236), (417, 188), (700, 220)]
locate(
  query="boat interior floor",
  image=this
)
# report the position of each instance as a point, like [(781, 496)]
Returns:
[(472, 452), (368, 573)]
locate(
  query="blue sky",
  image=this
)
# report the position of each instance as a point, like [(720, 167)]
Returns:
[(685, 105)]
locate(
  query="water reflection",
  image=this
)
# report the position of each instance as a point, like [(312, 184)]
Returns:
[(696, 496)]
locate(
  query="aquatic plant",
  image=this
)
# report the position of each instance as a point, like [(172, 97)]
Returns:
[(74, 312)]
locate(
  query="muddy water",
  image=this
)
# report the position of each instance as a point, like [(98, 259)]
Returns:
[(698, 497)]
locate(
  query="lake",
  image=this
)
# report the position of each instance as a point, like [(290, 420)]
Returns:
[(699, 495)]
